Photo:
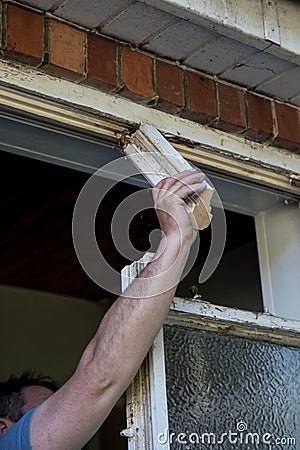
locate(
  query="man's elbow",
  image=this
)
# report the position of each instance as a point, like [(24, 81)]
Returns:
[(98, 374)]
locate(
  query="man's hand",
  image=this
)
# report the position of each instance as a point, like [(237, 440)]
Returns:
[(168, 196)]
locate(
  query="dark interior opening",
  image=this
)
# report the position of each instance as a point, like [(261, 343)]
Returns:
[(37, 201)]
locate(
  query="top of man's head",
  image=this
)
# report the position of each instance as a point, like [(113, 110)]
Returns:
[(12, 398)]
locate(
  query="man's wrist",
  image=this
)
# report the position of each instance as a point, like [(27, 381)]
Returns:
[(173, 246)]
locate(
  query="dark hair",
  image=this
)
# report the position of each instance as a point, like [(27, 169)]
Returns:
[(11, 393)]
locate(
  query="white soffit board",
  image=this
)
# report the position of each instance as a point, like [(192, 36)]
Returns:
[(289, 23), (271, 22), (121, 109)]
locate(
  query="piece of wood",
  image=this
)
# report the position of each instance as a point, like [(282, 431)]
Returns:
[(156, 159)]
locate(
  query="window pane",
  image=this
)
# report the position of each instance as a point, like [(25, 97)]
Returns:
[(220, 384), (236, 281)]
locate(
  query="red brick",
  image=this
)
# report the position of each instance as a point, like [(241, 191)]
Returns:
[(232, 114), (25, 35), (288, 123), (102, 62), (201, 98), (137, 74), (260, 120), (66, 50), (169, 85)]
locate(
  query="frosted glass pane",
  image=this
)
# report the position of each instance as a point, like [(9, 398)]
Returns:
[(220, 384)]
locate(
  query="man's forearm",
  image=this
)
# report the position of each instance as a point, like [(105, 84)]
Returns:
[(130, 326), (73, 414)]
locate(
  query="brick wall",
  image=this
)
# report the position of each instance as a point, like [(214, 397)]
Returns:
[(67, 51)]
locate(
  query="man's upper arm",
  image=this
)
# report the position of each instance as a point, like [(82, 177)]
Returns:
[(71, 416)]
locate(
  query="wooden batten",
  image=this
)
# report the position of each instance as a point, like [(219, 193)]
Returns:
[(156, 159)]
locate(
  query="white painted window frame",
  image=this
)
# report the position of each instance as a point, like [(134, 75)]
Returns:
[(148, 386), (278, 244), (147, 411)]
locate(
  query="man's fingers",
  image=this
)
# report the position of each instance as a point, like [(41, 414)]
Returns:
[(184, 184), (195, 181), (188, 190), (164, 185), (168, 182), (188, 181)]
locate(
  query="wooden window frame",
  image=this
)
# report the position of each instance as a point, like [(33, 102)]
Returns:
[(147, 412)]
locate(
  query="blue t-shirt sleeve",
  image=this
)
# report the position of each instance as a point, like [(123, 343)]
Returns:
[(18, 437)]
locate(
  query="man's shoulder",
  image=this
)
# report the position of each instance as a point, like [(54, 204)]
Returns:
[(18, 437)]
